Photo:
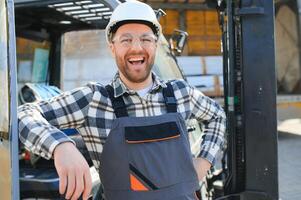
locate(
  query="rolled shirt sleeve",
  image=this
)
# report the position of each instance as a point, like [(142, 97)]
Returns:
[(40, 123), (213, 117)]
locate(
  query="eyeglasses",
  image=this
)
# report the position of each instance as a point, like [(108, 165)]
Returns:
[(128, 40)]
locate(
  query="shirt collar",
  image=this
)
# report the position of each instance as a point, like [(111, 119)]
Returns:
[(120, 88)]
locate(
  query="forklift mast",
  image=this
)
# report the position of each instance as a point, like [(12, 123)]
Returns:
[(250, 99)]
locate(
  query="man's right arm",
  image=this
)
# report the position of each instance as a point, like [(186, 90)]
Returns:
[(39, 129), (40, 123)]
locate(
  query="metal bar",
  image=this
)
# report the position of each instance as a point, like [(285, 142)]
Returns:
[(180, 6), (63, 4), (111, 3), (299, 30), (23, 3), (182, 20), (14, 140), (259, 85), (79, 8), (81, 13), (250, 11), (231, 181)]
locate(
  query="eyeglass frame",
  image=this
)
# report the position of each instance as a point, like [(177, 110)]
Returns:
[(133, 39)]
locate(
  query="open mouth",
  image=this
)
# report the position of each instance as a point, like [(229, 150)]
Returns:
[(136, 61)]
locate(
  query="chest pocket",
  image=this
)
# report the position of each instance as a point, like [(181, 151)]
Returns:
[(159, 156)]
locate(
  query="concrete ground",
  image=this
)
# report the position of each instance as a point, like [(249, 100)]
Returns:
[(289, 152)]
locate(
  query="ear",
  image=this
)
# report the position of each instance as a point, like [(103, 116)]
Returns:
[(112, 48)]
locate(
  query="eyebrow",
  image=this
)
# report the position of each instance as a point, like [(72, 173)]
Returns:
[(129, 34)]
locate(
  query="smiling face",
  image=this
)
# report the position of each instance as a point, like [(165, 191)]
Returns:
[(134, 49)]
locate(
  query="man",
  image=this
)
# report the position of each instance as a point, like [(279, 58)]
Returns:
[(134, 129)]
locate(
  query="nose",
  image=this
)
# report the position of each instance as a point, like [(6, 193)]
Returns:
[(136, 45)]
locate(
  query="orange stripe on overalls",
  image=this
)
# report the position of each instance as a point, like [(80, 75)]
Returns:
[(136, 185)]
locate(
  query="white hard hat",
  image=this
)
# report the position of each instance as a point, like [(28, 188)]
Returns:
[(132, 12)]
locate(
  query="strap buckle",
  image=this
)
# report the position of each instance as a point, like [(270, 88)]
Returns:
[(170, 100)]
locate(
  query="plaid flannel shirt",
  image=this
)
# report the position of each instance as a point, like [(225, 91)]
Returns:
[(89, 110)]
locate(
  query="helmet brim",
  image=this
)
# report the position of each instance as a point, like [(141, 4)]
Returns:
[(117, 25)]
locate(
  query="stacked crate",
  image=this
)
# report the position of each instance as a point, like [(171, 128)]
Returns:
[(204, 32), (204, 73), (170, 22)]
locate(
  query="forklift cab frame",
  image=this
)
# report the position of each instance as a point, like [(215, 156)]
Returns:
[(9, 181)]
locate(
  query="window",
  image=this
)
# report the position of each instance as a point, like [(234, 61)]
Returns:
[(32, 61)]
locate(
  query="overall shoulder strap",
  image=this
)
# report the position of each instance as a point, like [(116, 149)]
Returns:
[(117, 103), (170, 99)]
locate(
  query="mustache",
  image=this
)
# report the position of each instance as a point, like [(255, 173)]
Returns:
[(136, 54), (140, 52)]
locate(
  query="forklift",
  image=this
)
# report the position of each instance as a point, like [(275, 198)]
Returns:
[(250, 100), (249, 165)]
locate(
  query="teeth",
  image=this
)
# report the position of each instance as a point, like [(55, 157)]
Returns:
[(135, 59)]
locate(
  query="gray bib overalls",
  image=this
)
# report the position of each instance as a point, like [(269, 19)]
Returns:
[(148, 158)]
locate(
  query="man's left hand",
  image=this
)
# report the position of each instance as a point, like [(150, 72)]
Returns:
[(201, 166)]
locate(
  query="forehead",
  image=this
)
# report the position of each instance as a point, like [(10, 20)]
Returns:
[(134, 28)]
